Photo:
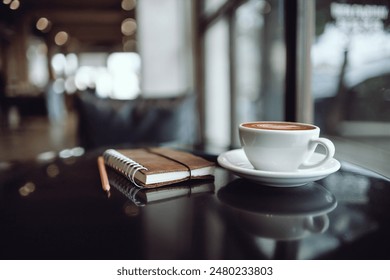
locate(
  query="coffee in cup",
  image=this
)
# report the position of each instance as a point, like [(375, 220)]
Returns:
[(283, 146)]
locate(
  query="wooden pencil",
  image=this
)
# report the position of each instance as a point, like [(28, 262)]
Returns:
[(103, 174)]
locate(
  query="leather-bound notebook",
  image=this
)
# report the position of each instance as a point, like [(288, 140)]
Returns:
[(156, 167)]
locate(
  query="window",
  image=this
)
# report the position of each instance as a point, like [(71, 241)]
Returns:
[(244, 66), (37, 62), (165, 45), (259, 63), (217, 86), (351, 79), (342, 72)]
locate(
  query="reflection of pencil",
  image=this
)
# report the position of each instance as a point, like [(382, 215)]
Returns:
[(103, 174)]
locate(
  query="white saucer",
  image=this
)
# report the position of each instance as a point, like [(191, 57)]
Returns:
[(237, 162)]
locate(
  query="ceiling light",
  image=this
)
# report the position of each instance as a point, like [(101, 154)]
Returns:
[(15, 4), (43, 24), (61, 38), (128, 27), (128, 5)]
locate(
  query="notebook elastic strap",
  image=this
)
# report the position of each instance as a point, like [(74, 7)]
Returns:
[(173, 159)]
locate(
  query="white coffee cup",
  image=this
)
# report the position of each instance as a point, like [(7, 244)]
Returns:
[(283, 146)]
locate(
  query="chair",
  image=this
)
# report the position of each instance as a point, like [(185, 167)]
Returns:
[(142, 121)]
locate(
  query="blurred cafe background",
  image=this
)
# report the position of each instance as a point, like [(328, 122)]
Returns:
[(80, 75)]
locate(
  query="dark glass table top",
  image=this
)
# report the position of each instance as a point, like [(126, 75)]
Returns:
[(56, 209)]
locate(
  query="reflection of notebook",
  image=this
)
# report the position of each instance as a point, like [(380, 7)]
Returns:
[(156, 167), (148, 195)]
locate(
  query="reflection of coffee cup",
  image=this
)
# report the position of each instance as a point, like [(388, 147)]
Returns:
[(281, 227), (283, 146), (278, 213)]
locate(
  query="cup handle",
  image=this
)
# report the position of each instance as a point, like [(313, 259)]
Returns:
[(317, 224), (329, 149)]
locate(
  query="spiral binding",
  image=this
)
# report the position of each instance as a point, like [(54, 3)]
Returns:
[(129, 166), (123, 185)]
